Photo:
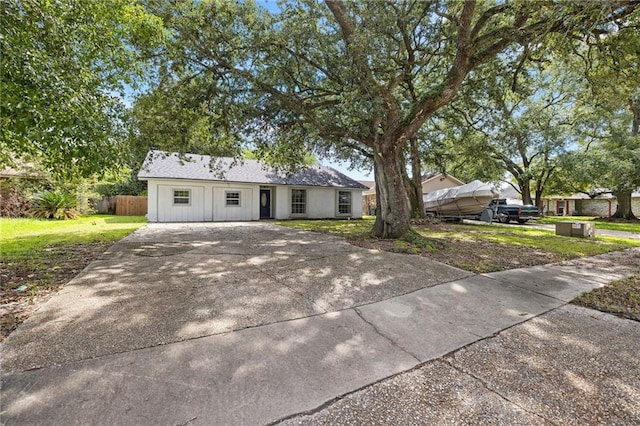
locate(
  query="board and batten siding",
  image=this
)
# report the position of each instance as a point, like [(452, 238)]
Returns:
[(208, 202), (322, 203)]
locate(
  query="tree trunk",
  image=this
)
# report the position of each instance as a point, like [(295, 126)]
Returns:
[(623, 211), (417, 204), (392, 220), (414, 191), (525, 191), (634, 105), (539, 203)]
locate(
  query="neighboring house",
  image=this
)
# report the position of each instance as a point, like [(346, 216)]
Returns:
[(369, 197), (431, 182), (435, 181), (582, 205), (199, 188)]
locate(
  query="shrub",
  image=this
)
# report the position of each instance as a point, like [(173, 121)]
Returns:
[(13, 202), (54, 205)]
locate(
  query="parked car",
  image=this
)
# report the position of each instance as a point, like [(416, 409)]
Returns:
[(505, 213)]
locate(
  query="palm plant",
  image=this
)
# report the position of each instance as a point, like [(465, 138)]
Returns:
[(54, 205)]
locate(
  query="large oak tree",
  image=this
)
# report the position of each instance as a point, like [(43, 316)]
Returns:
[(352, 79)]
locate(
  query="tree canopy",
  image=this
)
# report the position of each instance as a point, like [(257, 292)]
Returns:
[(64, 68), (352, 79), (356, 81)]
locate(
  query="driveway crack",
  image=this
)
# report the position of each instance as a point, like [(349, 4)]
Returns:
[(486, 386), (388, 338), (292, 289)]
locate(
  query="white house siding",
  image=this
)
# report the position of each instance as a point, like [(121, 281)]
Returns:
[(193, 212), (222, 212), (208, 202), (283, 202), (438, 182), (322, 203)]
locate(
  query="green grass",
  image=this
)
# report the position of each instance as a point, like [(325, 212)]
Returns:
[(25, 237), (539, 239), (600, 224), (344, 228)]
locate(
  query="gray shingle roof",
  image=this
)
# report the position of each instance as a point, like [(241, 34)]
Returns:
[(165, 165)]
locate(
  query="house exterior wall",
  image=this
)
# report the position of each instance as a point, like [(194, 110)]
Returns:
[(601, 208), (208, 202), (553, 207), (322, 203), (194, 211), (438, 182)]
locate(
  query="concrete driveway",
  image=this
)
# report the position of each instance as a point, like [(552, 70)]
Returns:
[(172, 282), (253, 323)]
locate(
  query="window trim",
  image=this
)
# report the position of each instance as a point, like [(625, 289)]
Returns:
[(338, 213), (188, 197), (226, 199), (306, 202)]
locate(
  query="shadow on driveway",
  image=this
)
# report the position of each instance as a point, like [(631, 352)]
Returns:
[(173, 282)]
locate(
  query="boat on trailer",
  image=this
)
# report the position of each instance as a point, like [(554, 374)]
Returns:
[(471, 199)]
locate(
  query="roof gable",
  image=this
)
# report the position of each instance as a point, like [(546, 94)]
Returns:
[(441, 176), (165, 165)]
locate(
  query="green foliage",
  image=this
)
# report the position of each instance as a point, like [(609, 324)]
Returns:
[(130, 186), (62, 68), (341, 79), (512, 116), (54, 205), (607, 113)]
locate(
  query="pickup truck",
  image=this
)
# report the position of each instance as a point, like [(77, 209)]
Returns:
[(505, 213)]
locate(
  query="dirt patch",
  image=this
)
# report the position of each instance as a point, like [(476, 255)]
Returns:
[(26, 283), (621, 298)]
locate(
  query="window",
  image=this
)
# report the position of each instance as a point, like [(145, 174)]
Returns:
[(344, 202), (233, 199), (182, 197), (298, 201)]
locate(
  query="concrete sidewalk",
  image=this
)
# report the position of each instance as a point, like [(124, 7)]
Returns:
[(285, 366)]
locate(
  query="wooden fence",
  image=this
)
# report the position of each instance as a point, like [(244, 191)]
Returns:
[(131, 205)]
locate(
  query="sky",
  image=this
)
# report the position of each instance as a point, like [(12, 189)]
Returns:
[(356, 174)]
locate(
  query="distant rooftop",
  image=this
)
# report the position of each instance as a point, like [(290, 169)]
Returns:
[(171, 165)]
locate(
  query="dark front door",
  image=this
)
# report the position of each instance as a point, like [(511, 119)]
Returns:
[(265, 203)]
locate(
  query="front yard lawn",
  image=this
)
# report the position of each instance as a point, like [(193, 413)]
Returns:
[(601, 223), (476, 248), (39, 256)]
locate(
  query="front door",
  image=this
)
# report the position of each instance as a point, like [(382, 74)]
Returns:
[(265, 203)]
